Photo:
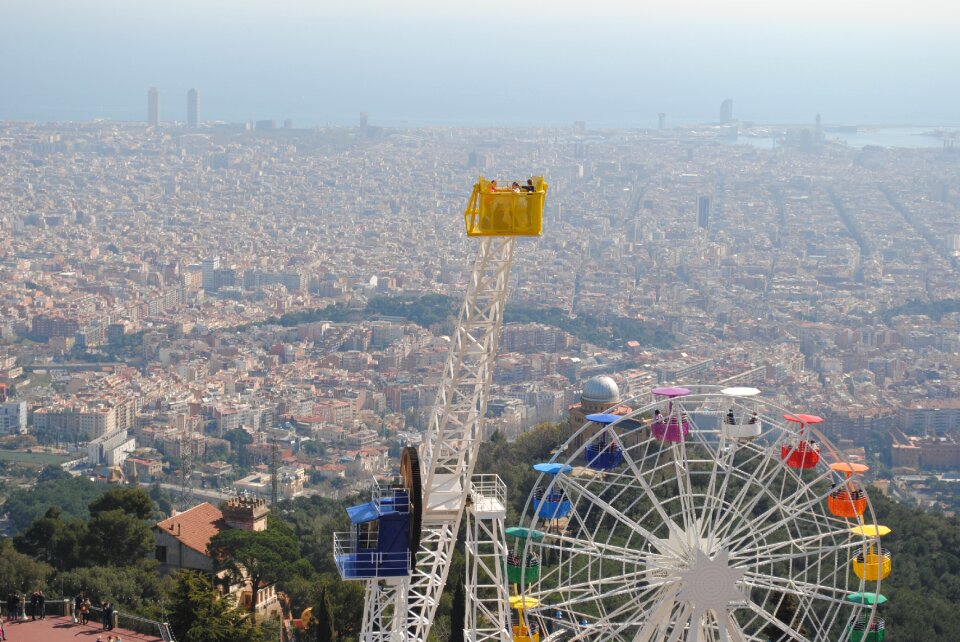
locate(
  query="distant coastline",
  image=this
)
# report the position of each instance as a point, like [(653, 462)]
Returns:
[(755, 134)]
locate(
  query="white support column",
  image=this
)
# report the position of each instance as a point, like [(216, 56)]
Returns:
[(452, 440), (384, 610), (488, 596)]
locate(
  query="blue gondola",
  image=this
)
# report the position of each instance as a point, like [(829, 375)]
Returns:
[(553, 504), (601, 455)]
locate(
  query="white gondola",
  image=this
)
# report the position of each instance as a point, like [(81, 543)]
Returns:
[(741, 418)]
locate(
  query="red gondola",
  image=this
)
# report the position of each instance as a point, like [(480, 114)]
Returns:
[(801, 453)]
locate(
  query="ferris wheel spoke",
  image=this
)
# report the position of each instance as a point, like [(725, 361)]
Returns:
[(722, 458), (762, 474), (626, 583), (728, 629), (612, 623), (592, 548), (699, 627), (791, 511), (764, 554), (655, 501), (659, 617), (583, 491), (795, 587), (787, 505), (683, 619), (789, 632), (684, 486)]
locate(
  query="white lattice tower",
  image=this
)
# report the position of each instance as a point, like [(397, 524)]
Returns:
[(384, 610), (488, 597), (453, 438), (449, 451)]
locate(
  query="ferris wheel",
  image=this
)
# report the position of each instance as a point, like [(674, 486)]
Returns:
[(707, 515)]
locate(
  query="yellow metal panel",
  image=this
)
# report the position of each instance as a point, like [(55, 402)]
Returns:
[(500, 211), (871, 530), (523, 602)]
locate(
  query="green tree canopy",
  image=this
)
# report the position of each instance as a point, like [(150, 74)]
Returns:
[(115, 538), (137, 587), (258, 556), (239, 438), (135, 502), (199, 614), (20, 572), (71, 495), (53, 540), (346, 598)]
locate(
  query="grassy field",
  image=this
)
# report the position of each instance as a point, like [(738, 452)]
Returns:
[(34, 458)]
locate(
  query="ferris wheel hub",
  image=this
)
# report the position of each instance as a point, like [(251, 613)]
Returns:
[(711, 584)]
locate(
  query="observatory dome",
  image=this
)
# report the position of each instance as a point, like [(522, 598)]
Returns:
[(601, 390)]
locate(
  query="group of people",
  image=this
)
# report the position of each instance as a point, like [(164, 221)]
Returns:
[(81, 609), (516, 187), (81, 612), (17, 606), (731, 419)]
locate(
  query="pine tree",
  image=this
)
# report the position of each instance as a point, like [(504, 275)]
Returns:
[(198, 614), (458, 613), (322, 625)]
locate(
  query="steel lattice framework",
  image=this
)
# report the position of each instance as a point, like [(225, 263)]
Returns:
[(403, 609)]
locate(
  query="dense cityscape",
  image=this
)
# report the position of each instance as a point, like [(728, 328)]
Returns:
[(236, 314)]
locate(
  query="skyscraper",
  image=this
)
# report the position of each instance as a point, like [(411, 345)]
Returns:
[(661, 120), (726, 111), (153, 107), (193, 109), (209, 268), (703, 211)]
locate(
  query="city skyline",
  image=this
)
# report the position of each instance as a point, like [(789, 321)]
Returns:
[(692, 261), (780, 63)]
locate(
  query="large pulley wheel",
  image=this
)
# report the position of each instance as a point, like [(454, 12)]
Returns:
[(411, 479)]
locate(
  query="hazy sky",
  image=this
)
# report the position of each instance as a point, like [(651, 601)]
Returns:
[(498, 62)]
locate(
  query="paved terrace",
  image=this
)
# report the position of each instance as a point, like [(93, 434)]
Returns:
[(62, 629)]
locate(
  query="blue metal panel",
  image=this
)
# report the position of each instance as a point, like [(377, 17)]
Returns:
[(552, 469), (363, 513)]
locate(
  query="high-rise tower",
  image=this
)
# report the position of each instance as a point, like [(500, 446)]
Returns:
[(703, 211), (153, 107), (193, 109), (726, 111)]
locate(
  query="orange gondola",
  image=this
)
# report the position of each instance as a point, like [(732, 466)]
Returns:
[(848, 500)]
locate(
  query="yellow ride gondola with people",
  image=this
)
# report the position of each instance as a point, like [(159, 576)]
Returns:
[(524, 630), (516, 210), (875, 563)]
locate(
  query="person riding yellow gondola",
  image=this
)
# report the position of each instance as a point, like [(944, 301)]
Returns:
[(514, 211)]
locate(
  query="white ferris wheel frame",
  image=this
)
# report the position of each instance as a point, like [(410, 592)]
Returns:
[(592, 593)]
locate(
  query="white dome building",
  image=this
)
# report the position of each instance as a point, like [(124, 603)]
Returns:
[(599, 393)]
